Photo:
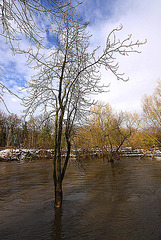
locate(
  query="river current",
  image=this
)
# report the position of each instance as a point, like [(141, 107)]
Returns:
[(121, 201)]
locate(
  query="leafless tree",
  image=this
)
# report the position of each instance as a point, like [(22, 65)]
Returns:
[(19, 18), (151, 106), (67, 75)]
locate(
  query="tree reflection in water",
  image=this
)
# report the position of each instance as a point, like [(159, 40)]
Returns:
[(57, 226)]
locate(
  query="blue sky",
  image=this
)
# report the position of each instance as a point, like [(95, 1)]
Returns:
[(99, 10), (139, 18)]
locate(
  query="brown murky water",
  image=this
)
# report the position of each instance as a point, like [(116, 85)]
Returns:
[(118, 202)]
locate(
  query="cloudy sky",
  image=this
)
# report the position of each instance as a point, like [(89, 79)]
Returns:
[(142, 19)]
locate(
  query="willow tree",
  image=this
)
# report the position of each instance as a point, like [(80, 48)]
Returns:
[(111, 130), (151, 106), (67, 75)]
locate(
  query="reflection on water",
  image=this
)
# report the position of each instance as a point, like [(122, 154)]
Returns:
[(103, 201)]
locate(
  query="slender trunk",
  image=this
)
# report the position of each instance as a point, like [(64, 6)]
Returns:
[(67, 157), (110, 154), (58, 182), (57, 175), (58, 195), (55, 151), (57, 161)]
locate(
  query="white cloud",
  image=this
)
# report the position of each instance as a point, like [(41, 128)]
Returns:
[(142, 19)]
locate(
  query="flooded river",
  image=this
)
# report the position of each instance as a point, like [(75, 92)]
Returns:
[(101, 201)]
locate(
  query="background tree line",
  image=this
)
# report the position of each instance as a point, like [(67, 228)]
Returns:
[(16, 133), (105, 128)]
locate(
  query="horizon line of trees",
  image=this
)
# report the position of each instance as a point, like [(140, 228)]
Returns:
[(104, 129)]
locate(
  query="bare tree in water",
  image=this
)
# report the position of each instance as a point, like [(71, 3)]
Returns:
[(67, 75)]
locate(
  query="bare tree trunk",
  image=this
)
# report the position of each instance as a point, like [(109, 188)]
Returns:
[(58, 175), (58, 195), (57, 179)]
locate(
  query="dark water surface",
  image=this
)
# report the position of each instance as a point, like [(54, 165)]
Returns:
[(101, 201)]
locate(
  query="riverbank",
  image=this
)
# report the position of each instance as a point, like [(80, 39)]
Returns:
[(29, 154), (25, 154)]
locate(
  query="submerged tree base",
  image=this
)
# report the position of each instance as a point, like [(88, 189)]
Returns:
[(58, 197)]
